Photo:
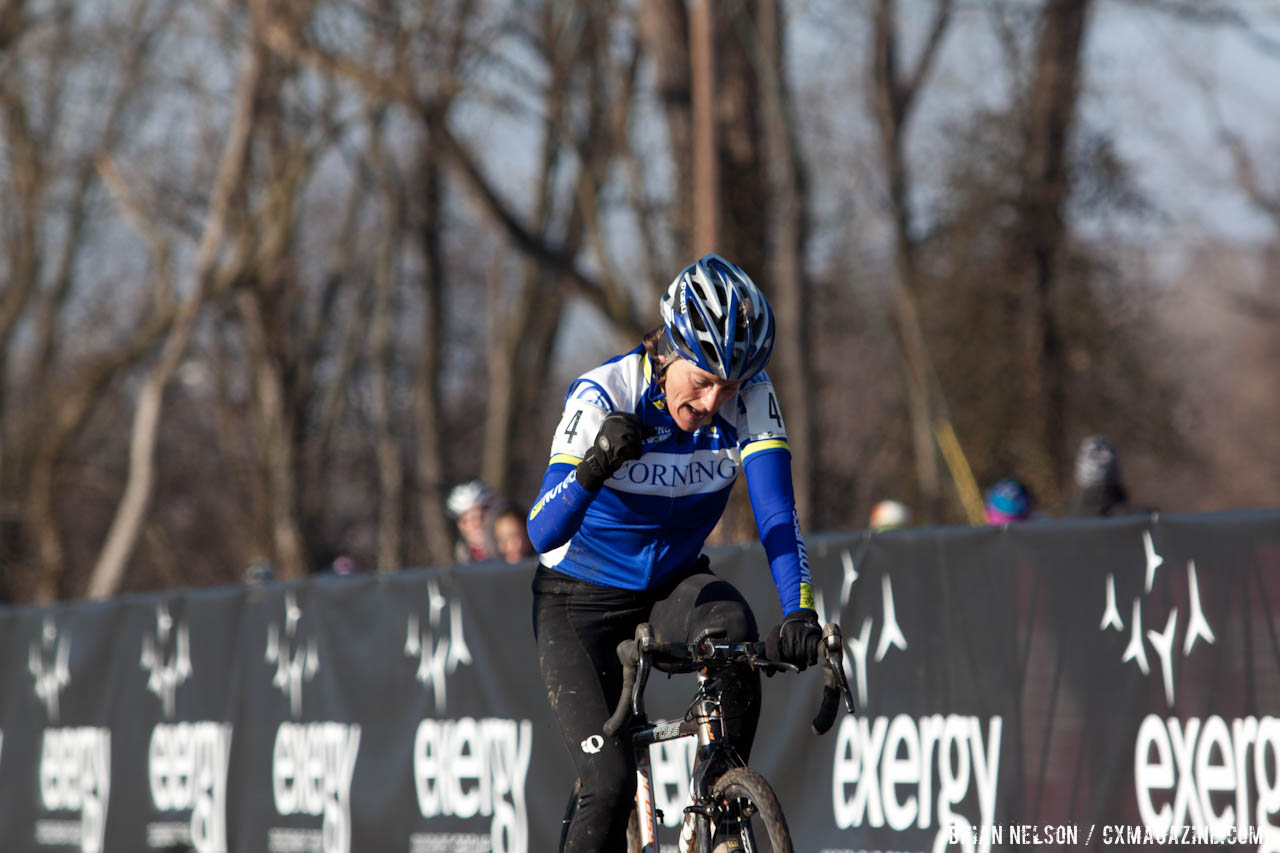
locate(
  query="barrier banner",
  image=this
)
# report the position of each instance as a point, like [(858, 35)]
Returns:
[(1078, 684)]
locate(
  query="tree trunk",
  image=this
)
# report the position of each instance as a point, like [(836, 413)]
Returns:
[(1054, 91), (892, 96), (430, 464), (706, 159), (390, 552), (786, 208), (664, 25)]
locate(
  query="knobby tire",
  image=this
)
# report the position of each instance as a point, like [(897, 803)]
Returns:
[(743, 783)]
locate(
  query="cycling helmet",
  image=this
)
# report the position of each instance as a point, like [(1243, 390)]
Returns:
[(717, 318), (890, 515), (1006, 501), (468, 496)]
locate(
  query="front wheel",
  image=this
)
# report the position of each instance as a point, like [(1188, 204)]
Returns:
[(752, 820)]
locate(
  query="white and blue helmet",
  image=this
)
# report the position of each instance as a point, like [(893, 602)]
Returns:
[(718, 319)]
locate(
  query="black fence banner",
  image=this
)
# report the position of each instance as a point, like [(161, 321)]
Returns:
[(1085, 684)]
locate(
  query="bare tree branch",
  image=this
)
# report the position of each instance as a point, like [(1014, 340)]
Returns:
[(621, 311), (397, 87), (109, 570)]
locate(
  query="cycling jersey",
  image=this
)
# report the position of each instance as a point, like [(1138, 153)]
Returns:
[(652, 517)]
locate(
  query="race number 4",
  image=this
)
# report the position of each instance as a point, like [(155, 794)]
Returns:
[(571, 429), (774, 414)]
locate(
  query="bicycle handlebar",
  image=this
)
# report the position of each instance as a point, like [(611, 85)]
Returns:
[(629, 656), (637, 656)]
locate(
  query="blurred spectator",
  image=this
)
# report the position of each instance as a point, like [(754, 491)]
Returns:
[(345, 564), (1008, 501), (470, 504), (890, 515), (512, 534), (1099, 486), (259, 571)]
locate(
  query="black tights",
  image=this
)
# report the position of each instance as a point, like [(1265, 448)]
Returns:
[(578, 626)]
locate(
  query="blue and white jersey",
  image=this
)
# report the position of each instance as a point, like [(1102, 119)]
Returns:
[(651, 519)]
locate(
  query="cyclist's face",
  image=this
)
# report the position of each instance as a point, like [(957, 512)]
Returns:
[(694, 395)]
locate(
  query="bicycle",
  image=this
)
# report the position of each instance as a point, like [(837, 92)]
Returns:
[(727, 798)]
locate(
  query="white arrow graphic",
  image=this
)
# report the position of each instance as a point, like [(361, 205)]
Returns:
[(890, 633), (1153, 559), (1163, 644), (1197, 627), (850, 575), (1135, 650), (1110, 615)]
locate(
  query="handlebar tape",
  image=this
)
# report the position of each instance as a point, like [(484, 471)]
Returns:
[(629, 655), (830, 703)]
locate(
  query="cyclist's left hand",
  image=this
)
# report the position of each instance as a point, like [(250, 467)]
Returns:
[(797, 639)]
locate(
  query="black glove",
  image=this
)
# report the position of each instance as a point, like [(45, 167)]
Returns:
[(796, 639), (619, 440)]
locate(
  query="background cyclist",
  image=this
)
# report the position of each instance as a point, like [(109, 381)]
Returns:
[(642, 463)]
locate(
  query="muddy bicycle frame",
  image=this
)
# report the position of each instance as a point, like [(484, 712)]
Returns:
[(710, 658)]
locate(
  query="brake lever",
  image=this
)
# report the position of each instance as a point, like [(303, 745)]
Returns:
[(833, 645), (644, 646)]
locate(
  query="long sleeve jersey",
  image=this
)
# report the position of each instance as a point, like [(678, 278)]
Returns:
[(652, 518)]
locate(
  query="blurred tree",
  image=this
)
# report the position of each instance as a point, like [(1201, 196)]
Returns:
[(433, 192), (1038, 342), (49, 232), (588, 100), (1050, 120), (139, 486), (893, 94)]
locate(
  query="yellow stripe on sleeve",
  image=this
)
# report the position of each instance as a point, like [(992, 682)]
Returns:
[(565, 457), (769, 444)]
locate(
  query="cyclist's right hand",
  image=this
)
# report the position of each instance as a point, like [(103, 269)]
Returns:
[(619, 440), (796, 639)]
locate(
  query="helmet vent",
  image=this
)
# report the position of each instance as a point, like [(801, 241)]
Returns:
[(718, 319)]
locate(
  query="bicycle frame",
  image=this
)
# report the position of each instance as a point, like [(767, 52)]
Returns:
[(707, 725), (715, 756)]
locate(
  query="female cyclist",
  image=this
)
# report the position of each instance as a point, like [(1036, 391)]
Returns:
[(642, 462)]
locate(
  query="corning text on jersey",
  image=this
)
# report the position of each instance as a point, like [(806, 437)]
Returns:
[(693, 472)]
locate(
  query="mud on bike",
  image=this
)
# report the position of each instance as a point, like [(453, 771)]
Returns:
[(731, 809)]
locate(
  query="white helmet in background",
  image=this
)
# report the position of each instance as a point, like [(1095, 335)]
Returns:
[(468, 495), (890, 515)]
